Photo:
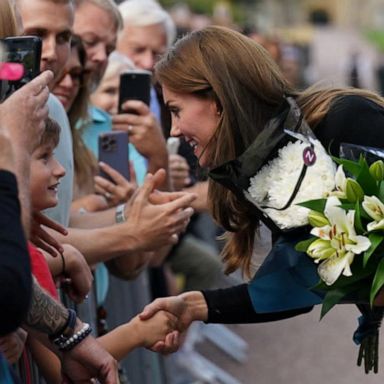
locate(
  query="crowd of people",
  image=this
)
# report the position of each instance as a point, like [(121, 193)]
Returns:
[(63, 225)]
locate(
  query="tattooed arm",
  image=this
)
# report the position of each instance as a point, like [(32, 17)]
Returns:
[(87, 359), (45, 314)]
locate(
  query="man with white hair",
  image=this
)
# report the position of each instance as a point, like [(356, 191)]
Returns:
[(148, 31)]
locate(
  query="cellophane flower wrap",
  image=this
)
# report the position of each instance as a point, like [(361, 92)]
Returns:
[(347, 243)]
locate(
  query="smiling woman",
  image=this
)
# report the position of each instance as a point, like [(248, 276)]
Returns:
[(229, 100)]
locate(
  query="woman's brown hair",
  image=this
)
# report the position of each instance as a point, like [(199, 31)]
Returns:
[(248, 87), (8, 22), (85, 162)]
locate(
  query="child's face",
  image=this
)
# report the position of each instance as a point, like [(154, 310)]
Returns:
[(46, 173)]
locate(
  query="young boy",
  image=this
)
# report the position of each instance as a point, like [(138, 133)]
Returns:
[(45, 176)]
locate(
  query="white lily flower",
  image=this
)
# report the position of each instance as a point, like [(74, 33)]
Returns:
[(340, 183), (339, 242), (375, 209)]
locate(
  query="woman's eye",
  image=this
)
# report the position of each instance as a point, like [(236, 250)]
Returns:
[(174, 111)]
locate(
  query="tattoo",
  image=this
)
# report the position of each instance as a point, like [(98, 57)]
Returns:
[(45, 314)]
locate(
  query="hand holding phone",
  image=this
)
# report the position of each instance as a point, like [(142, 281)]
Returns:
[(113, 150), (134, 85)]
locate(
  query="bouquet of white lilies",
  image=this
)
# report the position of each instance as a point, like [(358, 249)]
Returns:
[(347, 243), (295, 188)]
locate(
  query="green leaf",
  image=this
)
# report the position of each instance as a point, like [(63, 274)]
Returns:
[(366, 181), (378, 281), (333, 297), (348, 165), (375, 240), (316, 205), (348, 206), (302, 246), (381, 191), (358, 224)]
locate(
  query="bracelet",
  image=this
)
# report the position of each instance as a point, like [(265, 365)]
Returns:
[(67, 331), (63, 264), (120, 214), (76, 339)]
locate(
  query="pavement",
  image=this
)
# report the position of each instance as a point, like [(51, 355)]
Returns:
[(300, 350)]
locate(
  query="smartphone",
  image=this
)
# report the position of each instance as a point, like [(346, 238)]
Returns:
[(113, 150), (134, 85), (25, 50)]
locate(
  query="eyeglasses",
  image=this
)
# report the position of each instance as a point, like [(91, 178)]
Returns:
[(76, 76)]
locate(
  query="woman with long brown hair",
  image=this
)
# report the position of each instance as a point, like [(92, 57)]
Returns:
[(225, 93)]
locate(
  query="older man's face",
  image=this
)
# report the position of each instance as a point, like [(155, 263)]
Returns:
[(143, 45)]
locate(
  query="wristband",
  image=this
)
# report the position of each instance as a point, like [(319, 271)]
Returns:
[(67, 331), (120, 214)]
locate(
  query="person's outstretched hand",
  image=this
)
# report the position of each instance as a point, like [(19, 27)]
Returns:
[(156, 225), (187, 307)]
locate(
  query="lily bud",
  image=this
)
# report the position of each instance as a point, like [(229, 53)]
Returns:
[(317, 219), (377, 170), (320, 250), (353, 191)]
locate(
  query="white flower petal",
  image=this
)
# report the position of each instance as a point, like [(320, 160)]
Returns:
[(330, 269), (360, 244), (340, 180), (374, 207)]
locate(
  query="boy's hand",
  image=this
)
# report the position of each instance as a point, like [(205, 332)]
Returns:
[(12, 345), (40, 237)]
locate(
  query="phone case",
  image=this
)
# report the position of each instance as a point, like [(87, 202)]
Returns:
[(113, 150), (25, 50), (135, 85)]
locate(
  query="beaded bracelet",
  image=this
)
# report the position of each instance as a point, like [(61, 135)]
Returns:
[(76, 339)]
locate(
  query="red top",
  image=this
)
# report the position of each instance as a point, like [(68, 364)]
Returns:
[(41, 271)]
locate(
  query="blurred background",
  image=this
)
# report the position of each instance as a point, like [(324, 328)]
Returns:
[(338, 41)]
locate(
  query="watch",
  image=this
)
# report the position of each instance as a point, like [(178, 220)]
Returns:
[(120, 214)]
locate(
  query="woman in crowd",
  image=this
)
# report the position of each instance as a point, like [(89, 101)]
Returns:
[(72, 91), (223, 91)]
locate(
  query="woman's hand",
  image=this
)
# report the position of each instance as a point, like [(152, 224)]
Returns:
[(156, 328), (187, 307), (118, 191), (144, 131)]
